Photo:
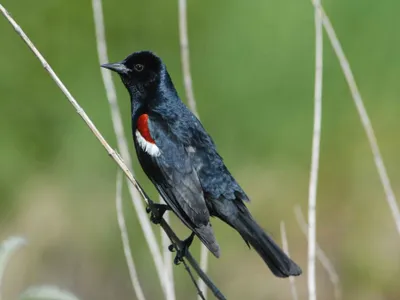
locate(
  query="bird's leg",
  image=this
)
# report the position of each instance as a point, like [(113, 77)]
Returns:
[(156, 211), (184, 247)]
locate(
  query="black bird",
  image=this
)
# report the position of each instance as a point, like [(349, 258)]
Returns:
[(182, 161)]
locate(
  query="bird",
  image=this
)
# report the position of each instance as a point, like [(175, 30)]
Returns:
[(180, 158)]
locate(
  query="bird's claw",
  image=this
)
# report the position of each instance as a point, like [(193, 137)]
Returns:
[(156, 211), (183, 249), (178, 259)]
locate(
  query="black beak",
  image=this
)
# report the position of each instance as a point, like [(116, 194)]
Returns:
[(116, 67)]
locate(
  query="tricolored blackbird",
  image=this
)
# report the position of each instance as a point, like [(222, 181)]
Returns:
[(182, 161)]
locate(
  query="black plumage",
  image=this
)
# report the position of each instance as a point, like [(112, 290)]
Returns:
[(181, 160)]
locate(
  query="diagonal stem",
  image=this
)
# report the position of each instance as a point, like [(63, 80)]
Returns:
[(199, 292), (177, 242)]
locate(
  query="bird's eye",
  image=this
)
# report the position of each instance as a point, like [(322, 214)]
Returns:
[(138, 67)]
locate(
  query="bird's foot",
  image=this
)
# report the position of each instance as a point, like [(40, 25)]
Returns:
[(156, 211), (183, 249)]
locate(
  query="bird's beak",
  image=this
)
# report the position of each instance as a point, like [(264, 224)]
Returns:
[(116, 67)]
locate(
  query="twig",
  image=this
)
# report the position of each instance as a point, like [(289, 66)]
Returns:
[(165, 277), (286, 249), (204, 266), (114, 155), (187, 79), (366, 122), (199, 292), (312, 194), (176, 241), (167, 255), (326, 263), (125, 241)]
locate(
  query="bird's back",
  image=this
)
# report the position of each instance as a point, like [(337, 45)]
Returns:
[(214, 176)]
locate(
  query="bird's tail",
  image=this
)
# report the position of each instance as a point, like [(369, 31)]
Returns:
[(236, 215), (278, 262), (206, 235)]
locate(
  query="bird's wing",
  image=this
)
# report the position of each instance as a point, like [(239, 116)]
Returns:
[(214, 176), (171, 171)]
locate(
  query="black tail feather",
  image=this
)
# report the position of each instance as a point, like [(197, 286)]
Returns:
[(278, 262), (206, 235), (237, 215)]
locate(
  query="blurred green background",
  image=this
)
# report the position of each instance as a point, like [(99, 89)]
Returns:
[(253, 70)]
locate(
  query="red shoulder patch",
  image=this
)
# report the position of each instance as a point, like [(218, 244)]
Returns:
[(143, 128)]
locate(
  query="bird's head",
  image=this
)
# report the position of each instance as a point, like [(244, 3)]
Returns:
[(139, 71)]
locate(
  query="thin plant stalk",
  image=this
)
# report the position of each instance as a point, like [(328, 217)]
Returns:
[(188, 84), (316, 142), (321, 256), (166, 279), (167, 255), (366, 122), (285, 246), (185, 57), (125, 241)]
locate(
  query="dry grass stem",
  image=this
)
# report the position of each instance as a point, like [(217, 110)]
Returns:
[(125, 241), (366, 122), (316, 142), (167, 255), (166, 279), (285, 246), (326, 263), (185, 58), (187, 78)]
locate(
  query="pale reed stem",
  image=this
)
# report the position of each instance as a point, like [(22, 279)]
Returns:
[(285, 246), (187, 78), (125, 241), (366, 122), (312, 198), (166, 280)]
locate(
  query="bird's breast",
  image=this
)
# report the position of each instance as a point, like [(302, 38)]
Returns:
[(144, 138)]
